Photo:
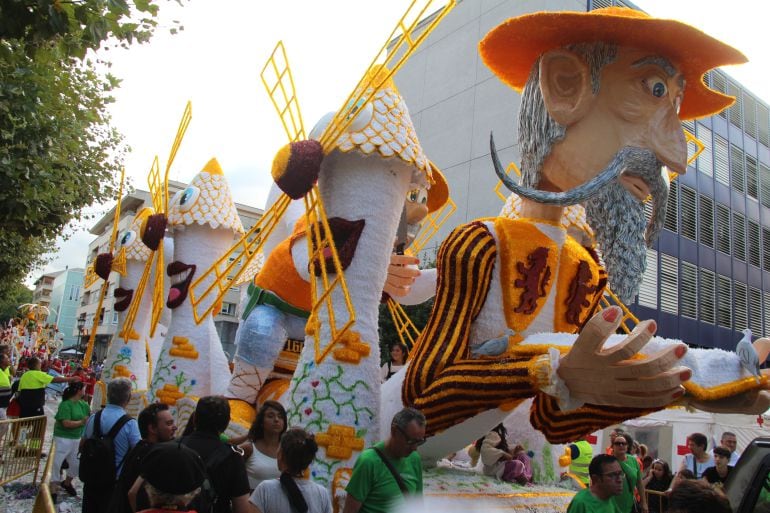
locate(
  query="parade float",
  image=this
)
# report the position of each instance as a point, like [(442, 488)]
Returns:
[(514, 335)]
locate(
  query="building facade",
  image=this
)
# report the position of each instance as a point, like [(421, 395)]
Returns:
[(708, 275), (226, 321), (65, 300), (41, 295)]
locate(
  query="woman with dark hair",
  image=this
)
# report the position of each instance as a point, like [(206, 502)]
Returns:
[(632, 476), (293, 491), (260, 450), (71, 419), (659, 480), (397, 360)]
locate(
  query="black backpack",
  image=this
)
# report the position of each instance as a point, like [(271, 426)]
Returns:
[(208, 500), (97, 455)]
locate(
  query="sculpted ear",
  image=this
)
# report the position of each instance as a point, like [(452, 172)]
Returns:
[(565, 82)]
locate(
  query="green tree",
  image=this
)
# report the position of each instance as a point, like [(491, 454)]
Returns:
[(58, 150), (14, 296)]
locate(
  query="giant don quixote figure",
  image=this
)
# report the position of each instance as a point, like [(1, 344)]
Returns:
[(603, 94)]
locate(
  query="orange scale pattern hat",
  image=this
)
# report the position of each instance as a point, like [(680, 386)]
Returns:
[(511, 48)]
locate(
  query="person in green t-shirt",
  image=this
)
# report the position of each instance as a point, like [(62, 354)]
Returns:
[(606, 483), (372, 487), (632, 476), (32, 388), (71, 420)]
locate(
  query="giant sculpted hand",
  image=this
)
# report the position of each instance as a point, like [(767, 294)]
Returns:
[(613, 377)]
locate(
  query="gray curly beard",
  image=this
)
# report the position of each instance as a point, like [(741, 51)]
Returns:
[(621, 227)]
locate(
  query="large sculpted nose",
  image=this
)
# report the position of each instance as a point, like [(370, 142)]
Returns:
[(667, 140)]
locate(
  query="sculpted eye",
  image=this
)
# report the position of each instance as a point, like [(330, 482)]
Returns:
[(412, 195), (188, 198), (127, 238), (656, 86)]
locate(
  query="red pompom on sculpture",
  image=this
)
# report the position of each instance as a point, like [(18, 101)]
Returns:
[(296, 167)]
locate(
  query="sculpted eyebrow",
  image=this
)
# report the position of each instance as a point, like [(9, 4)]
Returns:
[(662, 63)]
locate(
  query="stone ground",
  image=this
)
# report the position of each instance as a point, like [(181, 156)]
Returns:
[(19, 496)]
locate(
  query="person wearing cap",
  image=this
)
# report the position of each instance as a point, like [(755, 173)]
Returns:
[(172, 475), (156, 425), (604, 94)]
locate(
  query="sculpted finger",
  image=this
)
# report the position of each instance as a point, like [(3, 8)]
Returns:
[(404, 272), (635, 341), (597, 329), (651, 366), (669, 380), (394, 291), (626, 400), (399, 281), (403, 260)]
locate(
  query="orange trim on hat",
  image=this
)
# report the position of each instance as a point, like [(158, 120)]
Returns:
[(438, 194), (511, 48)]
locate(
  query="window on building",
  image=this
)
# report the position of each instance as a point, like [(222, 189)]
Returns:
[(735, 112), (706, 220), (101, 316), (648, 290), (724, 302), (741, 306), (739, 236), (752, 177), (86, 298), (754, 244), (763, 124), (766, 249), (749, 114), (766, 310), (689, 125), (707, 296), (755, 311), (74, 293), (764, 184), (723, 229), (114, 317), (706, 158), (689, 213), (719, 83), (689, 291), (669, 284), (672, 215), (737, 169), (721, 160), (227, 309)]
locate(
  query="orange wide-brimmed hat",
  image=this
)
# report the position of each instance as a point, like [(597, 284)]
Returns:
[(511, 48)]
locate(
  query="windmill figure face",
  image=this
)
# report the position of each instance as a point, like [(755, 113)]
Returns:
[(130, 242)]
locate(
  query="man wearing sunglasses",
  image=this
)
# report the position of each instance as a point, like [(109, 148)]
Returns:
[(391, 470), (606, 482)]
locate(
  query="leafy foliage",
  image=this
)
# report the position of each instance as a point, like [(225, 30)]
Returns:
[(58, 150), (76, 26), (11, 298)]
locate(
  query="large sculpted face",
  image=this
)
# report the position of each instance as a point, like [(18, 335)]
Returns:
[(627, 132)]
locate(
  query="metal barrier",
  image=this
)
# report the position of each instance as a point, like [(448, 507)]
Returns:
[(43, 500), (21, 443), (661, 498)]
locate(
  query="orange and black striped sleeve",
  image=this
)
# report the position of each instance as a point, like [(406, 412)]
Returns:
[(561, 427), (442, 380)]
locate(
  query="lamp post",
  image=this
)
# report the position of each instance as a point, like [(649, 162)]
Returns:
[(81, 325)]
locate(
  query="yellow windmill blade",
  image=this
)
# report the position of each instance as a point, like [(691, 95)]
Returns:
[(279, 83), (91, 277), (229, 268), (106, 284), (397, 49), (159, 193), (320, 249)]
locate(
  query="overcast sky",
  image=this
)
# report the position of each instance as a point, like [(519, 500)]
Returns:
[(215, 62)]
